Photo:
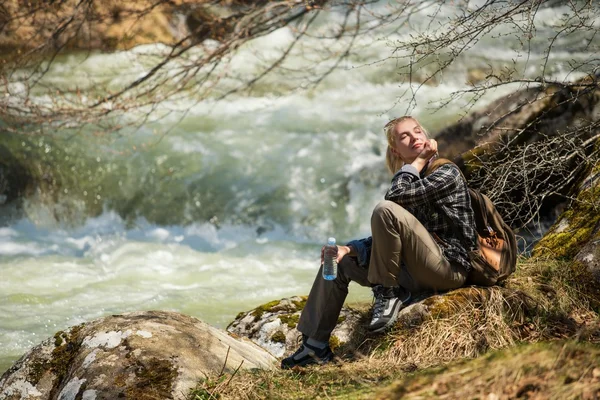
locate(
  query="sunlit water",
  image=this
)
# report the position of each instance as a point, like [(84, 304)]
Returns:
[(225, 212)]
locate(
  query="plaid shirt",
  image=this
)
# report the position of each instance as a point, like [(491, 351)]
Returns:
[(441, 202)]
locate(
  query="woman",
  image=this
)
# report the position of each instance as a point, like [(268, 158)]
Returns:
[(421, 235)]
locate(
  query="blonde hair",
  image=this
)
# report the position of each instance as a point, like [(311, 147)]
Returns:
[(394, 162)]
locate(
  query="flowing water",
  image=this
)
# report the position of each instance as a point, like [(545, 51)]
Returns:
[(230, 208)]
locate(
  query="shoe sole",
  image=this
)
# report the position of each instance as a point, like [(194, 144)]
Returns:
[(311, 361), (392, 320)]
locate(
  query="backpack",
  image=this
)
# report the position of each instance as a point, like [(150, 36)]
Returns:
[(496, 255)]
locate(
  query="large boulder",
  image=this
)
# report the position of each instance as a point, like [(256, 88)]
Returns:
[(139, 355), (576, 235), (272, 326), (531, 114), (111, 24), (528, 150)]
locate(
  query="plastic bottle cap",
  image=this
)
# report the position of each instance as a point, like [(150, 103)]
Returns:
[(331, 241)]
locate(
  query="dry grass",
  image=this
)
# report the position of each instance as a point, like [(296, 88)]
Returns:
[(545, 300), (469, 330), (557, 370), (343, 379)]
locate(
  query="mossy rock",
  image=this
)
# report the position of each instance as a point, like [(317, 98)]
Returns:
[(143, 355), (273, 325), (526, 120), (574, 228), (576, 237)]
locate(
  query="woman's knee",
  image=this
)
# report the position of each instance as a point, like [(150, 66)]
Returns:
[(387, 209), (349, 270)]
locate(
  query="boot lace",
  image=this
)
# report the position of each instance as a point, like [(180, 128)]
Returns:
[(379, 301)]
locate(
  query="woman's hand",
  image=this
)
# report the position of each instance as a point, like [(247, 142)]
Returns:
[(341, 252), (429, 150)]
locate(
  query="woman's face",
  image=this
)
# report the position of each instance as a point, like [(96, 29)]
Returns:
[(409, 140)]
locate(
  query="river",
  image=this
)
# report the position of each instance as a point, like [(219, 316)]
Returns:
[(229, 209)]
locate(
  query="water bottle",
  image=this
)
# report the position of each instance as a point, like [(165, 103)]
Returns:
[(330, 260)]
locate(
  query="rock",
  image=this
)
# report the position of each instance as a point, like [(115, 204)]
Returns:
[(272, 326), (111, 24), (576, 235), (139, 355), (528, 125), (589, 252), (577, 226), (15, 179), (531, 113)]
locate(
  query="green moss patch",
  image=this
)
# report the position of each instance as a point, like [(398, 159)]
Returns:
[(291, 320), (300, 303), (582, 219), (335, 342), (240, 315), (155, 378), (278, 337), (456, 300), (278, 306), (259, 311), (64, 354), (36, 371)]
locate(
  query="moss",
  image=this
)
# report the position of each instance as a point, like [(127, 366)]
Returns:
[(278, 337), (300, 303), (120, 380), (470, 161), (240, 315), (341, 319), (66, 346), (155, 379), (582, 218), (267, 307), (58, 339), (335, 342), (290, 319), (451, 302), (63, 355), (36, 371), (278, 305)]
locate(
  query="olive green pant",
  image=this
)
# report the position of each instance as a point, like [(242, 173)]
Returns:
[(403, 254)]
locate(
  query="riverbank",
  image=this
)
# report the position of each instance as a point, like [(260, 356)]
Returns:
[(537, 336)]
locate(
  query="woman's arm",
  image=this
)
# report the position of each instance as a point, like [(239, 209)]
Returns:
[(361, 249), (408, 189)]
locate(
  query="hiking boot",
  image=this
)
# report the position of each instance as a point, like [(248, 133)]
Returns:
[(388, 302), (307, 355)]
